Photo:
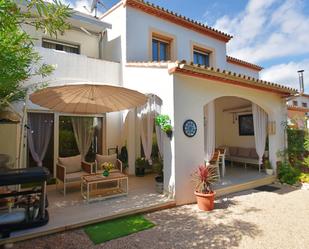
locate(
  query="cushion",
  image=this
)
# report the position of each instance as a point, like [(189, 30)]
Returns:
[(233, 151), (253, 154), (103, 159), (243, 152), (72, 163), (244, 160)]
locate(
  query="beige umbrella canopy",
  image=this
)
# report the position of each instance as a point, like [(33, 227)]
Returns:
[(88, 98)]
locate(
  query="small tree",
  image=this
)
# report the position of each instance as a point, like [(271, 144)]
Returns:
[(18, 59)]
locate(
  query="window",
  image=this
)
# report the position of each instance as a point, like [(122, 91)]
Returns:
[(70, 48), (201, 57), (304, 104), (295, 103), (160, 49)]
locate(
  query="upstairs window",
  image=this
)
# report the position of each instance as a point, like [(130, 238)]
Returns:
[(70, 48), (304, 104), (201, 57), (295, 103), (161, 49)]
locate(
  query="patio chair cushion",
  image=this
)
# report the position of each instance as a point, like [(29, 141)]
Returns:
[(103, 159), (76, 176), (72, 164)]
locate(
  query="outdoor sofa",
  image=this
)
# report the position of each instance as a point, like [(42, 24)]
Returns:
[(242, 155)]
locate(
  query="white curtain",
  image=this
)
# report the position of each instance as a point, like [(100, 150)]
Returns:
[(260, 130), (146, 115), (209, 131), (124, 127), (157, 103), (83, 131), (40, 128)]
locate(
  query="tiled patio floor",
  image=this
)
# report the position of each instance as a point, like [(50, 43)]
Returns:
[(239, 174), (72, 211)]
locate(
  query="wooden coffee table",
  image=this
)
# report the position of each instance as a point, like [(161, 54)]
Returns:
[(97, 186)]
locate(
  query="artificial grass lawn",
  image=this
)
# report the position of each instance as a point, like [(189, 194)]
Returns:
[(113, 229)]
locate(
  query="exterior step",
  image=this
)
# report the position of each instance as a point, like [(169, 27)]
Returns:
[(245, 186)]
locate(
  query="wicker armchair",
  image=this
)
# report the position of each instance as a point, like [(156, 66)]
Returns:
[(71, 169)]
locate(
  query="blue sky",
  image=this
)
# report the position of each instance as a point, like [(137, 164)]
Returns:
[(271, 33)]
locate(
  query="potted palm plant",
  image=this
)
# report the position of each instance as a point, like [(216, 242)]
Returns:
[(204, 177)]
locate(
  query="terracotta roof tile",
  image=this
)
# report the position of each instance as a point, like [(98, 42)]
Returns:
[(242, 79), (234, 60)]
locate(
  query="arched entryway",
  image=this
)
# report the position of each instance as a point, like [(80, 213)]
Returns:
[(237, 128)]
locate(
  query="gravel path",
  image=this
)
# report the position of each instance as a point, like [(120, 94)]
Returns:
[(250, 219)]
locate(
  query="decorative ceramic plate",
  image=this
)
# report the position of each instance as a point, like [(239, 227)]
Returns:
[(189, 128)]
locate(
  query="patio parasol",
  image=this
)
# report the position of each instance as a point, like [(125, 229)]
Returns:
[(88, 98)]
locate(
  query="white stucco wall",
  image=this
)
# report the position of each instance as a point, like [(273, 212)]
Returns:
[(156, 81), (191, 95), (89, 44), (300, 100), (114, 39), (242, 70), (129, 39), (138, 35)]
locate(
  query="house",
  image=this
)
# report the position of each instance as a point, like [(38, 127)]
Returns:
[(182, 62), (298, 111)]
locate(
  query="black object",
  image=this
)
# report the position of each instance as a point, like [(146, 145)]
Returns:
[(31, 200), (159, 178), (140, 171), (169, 134), (246, 127), (22, 176), (267, 188)]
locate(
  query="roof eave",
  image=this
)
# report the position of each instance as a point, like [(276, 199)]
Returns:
[(232, 78), (242, 63)]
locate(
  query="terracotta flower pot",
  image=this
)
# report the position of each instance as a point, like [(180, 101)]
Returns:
[(205, 202)]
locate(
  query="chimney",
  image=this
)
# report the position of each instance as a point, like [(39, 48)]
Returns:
[(301, 81)]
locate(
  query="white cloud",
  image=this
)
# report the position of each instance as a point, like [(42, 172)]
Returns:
[(267, 30), (286, 73)]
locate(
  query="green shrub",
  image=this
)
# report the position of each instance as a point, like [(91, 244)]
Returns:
[(288, 174), (296, 143)]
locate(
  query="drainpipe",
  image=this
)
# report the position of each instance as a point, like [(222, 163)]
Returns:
[(101, 35)]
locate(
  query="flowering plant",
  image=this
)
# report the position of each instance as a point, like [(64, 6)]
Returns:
[(107, 166), (204, 177)]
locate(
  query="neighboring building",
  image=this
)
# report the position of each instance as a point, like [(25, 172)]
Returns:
[(183, 62), (298, 110)]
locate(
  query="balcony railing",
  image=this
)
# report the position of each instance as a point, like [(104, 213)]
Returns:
[(72, 68)]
